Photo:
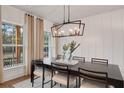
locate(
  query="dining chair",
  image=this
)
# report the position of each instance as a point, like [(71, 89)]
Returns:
[(80, 59), (99, 61), (92, 79), (40, 72), (61, 75)]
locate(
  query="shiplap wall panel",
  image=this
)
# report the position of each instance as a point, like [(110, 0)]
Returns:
[(89, 38), (117, 38), (107, 37), (123, 40), (103, 38)]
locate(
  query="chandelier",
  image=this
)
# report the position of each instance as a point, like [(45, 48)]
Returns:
[(68, 28)]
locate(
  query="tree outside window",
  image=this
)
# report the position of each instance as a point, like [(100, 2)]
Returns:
[(12, 44), (46, 43)]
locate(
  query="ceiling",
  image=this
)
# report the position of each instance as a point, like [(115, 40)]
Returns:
[(55, 13)]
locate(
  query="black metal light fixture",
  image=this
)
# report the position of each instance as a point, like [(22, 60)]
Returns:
[(68, 28)]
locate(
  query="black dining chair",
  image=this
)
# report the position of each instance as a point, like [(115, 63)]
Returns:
[(61, 75), (99, 61), (39, 71), (92, 79), (80, 59)]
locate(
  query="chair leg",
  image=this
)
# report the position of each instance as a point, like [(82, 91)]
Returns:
[(68, 81), (106, 85), (43, 82), (32, 79), (51, 83), (32, 82), (68, 84), (79, 81), (76, 82), (60, 85)]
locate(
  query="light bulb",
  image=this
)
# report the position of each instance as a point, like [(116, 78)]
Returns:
[(55, 32), (70, 30), (62, 31), (75, 28), (59, 33), (78, 29)]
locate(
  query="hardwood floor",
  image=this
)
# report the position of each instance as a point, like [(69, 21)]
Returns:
[(9, 84)]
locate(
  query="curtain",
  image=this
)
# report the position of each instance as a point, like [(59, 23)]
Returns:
[(56, 45), (29, 37), (18, 37), (54, 42), (39, 43), (1, 53)]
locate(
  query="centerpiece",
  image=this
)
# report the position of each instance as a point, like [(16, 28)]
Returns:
[(69, 48)]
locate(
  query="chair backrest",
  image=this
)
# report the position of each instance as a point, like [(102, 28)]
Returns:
[(93, 75), (59, 56), (80, 59), (59, 67), (38, 62), (100, 61)]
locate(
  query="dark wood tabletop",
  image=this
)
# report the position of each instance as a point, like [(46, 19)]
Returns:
[(114, 74)]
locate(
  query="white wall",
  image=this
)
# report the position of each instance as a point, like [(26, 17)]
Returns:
[(12, 15), (103, 38), (13, 73), (47, 25)]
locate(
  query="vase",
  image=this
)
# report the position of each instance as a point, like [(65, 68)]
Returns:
[(64, 56), (70, 56)]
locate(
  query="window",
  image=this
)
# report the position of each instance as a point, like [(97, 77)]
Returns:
[(12, 44), (47, 38)]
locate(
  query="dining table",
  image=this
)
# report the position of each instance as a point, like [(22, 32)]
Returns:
[(114, 74)]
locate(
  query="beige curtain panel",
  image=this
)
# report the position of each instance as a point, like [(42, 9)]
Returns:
[(56, 45), (39, 45), (29, 27), (1, 53)]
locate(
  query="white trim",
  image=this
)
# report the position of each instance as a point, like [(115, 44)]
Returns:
[(12, 22), (12, 45), (8, 68)]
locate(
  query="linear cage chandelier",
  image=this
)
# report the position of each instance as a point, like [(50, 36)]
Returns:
[(68, 28)]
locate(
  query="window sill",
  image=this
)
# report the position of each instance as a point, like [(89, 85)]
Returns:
[(17, 66)]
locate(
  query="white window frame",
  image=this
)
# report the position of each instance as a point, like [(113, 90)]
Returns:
[(14, 45)]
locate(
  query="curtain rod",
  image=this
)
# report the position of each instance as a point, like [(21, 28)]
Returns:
[(34, 16)]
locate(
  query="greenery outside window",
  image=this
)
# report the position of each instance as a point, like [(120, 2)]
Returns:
[(47, 39), (12, 44)]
